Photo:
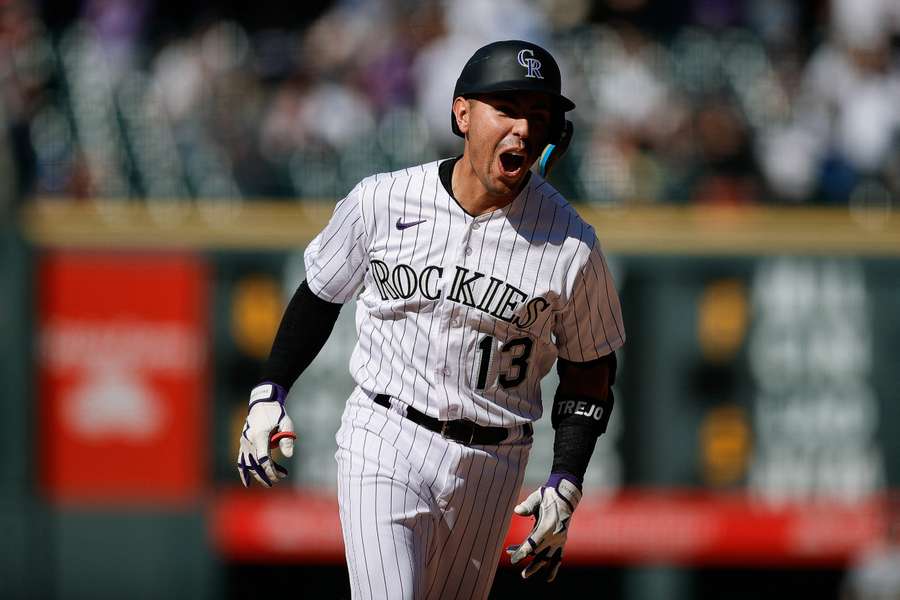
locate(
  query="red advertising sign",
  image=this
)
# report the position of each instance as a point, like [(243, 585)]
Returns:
[(122, 372), (638, 526)]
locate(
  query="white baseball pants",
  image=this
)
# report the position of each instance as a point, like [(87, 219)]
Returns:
[(423, 517)]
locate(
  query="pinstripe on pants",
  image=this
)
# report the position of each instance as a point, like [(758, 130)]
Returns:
[(422, 516)]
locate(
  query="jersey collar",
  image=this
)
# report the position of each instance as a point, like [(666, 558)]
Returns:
[(445, 174)]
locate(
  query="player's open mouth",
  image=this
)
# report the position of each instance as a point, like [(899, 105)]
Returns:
[(512, 162)]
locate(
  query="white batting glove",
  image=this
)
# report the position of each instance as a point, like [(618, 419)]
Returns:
[(551, 506), (267, 426)]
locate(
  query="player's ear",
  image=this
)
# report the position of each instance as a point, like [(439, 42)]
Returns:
[(461, 112)]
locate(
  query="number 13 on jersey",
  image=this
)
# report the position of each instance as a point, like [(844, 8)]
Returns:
[(520, 351)]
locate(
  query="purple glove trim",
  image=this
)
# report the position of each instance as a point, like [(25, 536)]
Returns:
[(278, 394), (557, 477)]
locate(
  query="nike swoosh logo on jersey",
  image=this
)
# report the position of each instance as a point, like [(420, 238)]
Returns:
[(402, 226)]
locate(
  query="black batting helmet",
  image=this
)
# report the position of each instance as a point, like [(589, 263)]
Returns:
[(513, 66)]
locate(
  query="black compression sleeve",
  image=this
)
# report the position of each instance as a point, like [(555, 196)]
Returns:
[(572, 448), (579, 421), (305, 327)]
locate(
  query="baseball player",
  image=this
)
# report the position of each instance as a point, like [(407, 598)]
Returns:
[(472, 276)]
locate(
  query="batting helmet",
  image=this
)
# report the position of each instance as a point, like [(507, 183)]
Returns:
[(513, 66)]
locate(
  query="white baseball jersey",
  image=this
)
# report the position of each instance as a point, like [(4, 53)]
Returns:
[(461, 316)]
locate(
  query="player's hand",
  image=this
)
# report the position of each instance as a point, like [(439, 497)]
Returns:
[(267, 426), (552, 508), (554, 152)]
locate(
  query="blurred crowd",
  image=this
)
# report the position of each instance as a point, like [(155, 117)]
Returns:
[(694, 101)]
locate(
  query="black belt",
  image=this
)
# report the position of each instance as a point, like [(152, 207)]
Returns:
[(460, 430)]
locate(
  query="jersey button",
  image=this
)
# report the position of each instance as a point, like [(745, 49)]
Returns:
[(468, 251), (476, 225), (454, 322), (445, 371)]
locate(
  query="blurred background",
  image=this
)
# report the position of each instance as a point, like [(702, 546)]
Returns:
[(162, 166)]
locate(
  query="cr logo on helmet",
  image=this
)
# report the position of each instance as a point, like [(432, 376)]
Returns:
[(531, 63)]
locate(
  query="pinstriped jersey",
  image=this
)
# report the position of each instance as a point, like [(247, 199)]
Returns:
[(461, 316)]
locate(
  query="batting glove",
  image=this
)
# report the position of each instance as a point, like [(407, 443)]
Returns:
[(267, 426), (551, 506)]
